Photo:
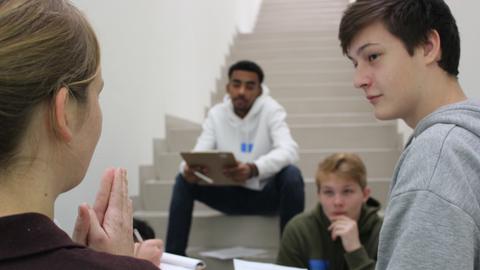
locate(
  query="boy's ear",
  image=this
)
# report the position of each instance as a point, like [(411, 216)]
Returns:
[(366, 194), (60, 118), (432, 48)]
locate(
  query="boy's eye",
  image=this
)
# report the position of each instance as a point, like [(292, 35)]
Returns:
[(328, 192), (373, 57)]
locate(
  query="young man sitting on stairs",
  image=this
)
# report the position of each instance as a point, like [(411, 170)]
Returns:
[(252, 125)]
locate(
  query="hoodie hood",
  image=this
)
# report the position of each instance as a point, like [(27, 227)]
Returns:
[(369, 216), (465, 114), (256, 107)]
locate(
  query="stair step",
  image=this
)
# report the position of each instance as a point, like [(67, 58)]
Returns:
[(379, 162), (288, 36), (346, 136), (369, 135), (245, 42), (288, 3), (300, 20), (333, 76), (157, 193), (311, 49), (304, 90), (331, 118), (293, 28), (285, 64), (327, 105), (320, 51), (279, 66), (216, 229)]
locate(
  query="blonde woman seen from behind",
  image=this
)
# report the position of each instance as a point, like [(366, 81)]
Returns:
[(50, 123)]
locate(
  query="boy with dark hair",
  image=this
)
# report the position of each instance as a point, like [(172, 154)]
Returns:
[(406, 55)]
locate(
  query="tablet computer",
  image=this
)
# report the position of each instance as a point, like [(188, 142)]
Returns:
[(215, 162)]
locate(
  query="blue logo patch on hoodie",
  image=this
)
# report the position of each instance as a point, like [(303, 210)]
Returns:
[(246, 147), (316, 264)]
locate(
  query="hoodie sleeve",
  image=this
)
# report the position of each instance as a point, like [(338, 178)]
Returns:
[(293, 250), (284, 150), (359, 260), (207, 139), (427, 233), (431, 221)]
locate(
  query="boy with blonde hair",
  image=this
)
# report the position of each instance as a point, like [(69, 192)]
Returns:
[(342, 231)]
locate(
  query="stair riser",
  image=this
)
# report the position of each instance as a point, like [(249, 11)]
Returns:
[(321, 91), (225, 231), (244, 44), (259, 56), (298, 20), (288, 36), (379, 164), (158, 195), (299, 90), (327, 106), (346, 137), (312, 120), (276, 68), (321, 137), (311, 49)]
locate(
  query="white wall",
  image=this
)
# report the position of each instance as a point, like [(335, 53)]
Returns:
[(466, 14), (158, 57)]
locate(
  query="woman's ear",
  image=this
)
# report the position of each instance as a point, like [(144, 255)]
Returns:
[(60, 118), (432, 48)]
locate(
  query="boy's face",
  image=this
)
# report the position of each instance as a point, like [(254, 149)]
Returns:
[(342, 197), (389, 76)]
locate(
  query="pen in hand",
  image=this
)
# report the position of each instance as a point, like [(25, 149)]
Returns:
[(137, 235), (203, 177)]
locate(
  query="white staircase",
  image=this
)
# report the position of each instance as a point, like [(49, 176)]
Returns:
[(295, 42)]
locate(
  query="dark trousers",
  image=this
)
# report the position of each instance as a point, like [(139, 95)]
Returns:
[(283, 195)]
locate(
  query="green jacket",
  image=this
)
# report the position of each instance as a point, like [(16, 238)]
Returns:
[(306, 242)]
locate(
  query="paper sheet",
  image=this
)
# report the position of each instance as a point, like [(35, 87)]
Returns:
[(166, 266), (175, 262), (234, 252), (246, 265)]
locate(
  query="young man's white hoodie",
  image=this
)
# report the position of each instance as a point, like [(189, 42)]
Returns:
[(261, 137)]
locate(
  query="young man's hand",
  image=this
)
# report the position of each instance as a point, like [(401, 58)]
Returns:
[(240, 173), (189, 175), (347, 229)]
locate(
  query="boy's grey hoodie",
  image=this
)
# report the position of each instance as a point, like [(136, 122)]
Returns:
[(433, 217)]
